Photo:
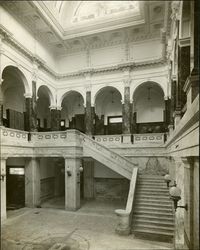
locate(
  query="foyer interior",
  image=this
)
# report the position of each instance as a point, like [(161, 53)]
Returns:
[(99, 105)]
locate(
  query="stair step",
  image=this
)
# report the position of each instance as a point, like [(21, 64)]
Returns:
[(153, 201), (152, 197), (158, 209), (151, 178), (154, 222), (150, 204), (160, 194), (153, 213), (152, 185), (151, 235), (153, 217), (155, 229), (152, 190)]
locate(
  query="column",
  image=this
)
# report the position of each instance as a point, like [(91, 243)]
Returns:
[(172, 106), (72, 183), (88, 178), (1, 103), (55, 119), (188, 199), (32, 182), (89, 115), (126, 129), (31, 115), (133, 118), (167, 113), (3, 188)]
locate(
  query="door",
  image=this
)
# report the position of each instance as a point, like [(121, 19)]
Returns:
[(15, 187)]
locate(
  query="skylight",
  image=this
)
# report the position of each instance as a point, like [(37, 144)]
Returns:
[(94, 10)]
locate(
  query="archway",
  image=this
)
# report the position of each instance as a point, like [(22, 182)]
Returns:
[(43, 109), (73, 111), (108, 109), (148, 108), (13, 90)]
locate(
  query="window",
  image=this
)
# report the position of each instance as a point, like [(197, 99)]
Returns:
[(115, 119), (16, 171)]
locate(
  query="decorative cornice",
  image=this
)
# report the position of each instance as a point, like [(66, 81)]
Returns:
[(8, 37)]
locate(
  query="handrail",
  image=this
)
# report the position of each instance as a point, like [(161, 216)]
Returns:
[(125, 215), (107, 149)]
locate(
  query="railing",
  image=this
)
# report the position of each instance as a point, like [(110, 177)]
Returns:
[(124, 163), (108, 139), (154, 138), (125, 215), (13, 136)]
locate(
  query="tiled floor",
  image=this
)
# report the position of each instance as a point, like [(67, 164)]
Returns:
[(92, 227)]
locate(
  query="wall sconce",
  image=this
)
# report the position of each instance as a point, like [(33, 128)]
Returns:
[(167, 178), (81, 169), (69, 173), (3, 176), (175, 195)]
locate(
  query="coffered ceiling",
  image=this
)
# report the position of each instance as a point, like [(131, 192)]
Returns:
[(67, 26)]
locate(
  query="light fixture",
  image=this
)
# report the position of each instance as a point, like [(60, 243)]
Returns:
[(68, 172), (112, 100), (81, 169), (3, 176), (167, 178), (79, 101), (175, 195), (149, 88)]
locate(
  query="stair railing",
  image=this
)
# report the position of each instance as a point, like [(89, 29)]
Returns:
[(125, 215), (124, 163)]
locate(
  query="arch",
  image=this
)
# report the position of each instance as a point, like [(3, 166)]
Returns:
[(102, 89), (148, 103), (59, 103), (140, 84), (19, 72), (49, 93)]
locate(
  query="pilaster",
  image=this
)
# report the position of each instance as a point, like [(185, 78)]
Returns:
[(72, 183), (3, 189), (32, 182), (88, 175)]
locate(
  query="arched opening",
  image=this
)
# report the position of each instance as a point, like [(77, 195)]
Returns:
[(148, 108), (73, 111), (108, 109), (43, 110), (13, 90)]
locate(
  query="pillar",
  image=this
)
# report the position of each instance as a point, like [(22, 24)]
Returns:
[(1, 104), (30, 115), (167, 112), (126, 110), (188, 199), (32, 182), (89, 115), (88, 178), (133, 118), (3, 188), (55, 119), (72, 183)]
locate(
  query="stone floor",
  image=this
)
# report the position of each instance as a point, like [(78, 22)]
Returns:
[(92, 227)]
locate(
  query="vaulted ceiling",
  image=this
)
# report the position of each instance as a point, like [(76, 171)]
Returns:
[(75, 25)]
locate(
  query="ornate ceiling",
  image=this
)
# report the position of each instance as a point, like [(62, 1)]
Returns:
[(67, 26)]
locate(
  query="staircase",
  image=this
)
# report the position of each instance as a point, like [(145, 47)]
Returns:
[(153, 217), (107, 157)]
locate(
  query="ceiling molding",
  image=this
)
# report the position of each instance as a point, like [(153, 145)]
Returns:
[(9, 39)]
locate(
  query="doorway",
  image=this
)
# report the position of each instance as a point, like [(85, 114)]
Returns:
[(15, 187)]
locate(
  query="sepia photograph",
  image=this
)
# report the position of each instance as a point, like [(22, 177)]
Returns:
[(99, 125)]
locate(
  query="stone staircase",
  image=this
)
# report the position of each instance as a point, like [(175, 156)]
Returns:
[(153, 217)]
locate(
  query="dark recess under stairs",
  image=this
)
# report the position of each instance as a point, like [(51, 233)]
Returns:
[(153, 217)]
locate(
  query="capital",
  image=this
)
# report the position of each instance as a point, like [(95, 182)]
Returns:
[(52, 107), (28, 95)]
